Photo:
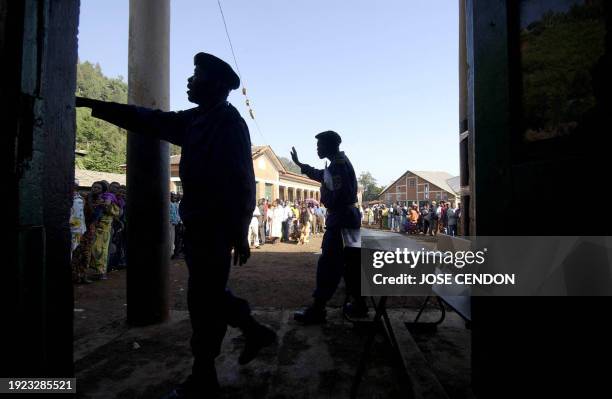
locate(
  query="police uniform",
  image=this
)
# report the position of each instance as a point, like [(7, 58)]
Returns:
[(339, 195), (216, 153)]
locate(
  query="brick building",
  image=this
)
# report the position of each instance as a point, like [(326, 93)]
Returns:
[(272, 178), (421, 187)]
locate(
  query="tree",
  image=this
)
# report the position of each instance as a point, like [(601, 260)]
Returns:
[(371, 190)]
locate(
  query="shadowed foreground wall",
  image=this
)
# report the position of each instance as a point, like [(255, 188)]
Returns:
[(38, 46)]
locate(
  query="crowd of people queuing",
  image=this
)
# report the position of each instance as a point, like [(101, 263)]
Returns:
[(285, 221), (429, 219), (98, 229), (97, 225)]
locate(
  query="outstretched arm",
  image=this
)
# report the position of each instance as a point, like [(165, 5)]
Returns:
[(168, 126), (314, 174)]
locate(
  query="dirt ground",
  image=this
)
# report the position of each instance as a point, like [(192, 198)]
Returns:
[(115, 360), (278, 275)]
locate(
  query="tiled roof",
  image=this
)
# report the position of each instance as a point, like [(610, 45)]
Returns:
[(255, 150)]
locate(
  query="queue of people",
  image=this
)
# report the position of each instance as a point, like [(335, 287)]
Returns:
[(429, 219), (284, 221), (97, 225)]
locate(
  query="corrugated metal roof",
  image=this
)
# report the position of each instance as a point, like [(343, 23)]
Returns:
[(88, 177), (438, 178), (455, 184)]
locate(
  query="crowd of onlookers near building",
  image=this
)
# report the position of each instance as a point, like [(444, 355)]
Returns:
[(97, 225), (429, 219), (98, 228), (285, 221)]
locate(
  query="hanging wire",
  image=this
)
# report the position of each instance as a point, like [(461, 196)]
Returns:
[(244, 92), (230, 43)]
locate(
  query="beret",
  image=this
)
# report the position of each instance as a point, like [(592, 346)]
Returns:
[(218, 68), (329, 136)]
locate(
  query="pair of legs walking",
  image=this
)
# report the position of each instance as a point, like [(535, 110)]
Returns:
[(212, 307), (336, 261)]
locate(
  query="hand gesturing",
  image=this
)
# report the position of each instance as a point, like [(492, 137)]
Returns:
[(294, 157)]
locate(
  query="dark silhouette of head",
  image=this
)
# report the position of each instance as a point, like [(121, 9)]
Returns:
[(98, 188), (114, 187), (212, 80), (328, 144)]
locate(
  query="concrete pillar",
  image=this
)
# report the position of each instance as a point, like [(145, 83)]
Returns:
[(260, 189), (293, 194), (275, 192), (463, 69), (148, 172)]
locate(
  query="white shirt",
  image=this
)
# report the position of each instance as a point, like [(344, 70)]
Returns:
[(77, 216)]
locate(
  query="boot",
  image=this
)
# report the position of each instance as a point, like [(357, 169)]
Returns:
[(85, 280), (257, 336), (311, 315), (356, 309)]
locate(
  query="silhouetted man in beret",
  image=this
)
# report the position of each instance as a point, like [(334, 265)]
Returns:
[(340, 250), (216, 154)]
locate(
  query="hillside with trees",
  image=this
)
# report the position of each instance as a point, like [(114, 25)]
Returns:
[(104, 143), (558, 53), (290, 166)]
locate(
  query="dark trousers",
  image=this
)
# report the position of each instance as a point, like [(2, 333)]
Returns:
[(262, 231), (285, 230), (433, 227), (212, 306), (178, 238), (336, 262)]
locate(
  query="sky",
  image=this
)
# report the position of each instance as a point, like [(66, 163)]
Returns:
[(382, 74)]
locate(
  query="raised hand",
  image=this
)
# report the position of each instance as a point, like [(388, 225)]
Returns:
[(294, 157)]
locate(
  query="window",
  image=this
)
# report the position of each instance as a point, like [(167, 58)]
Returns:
[(268, 192), (179, 187)]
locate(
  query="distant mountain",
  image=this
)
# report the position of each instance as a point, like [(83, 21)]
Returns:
[(290, 166)]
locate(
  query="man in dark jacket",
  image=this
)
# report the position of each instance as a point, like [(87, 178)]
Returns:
[(340, 250), (216, 154)]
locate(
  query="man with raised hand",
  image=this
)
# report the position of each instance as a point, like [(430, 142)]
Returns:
[(340, 250)]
